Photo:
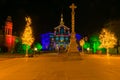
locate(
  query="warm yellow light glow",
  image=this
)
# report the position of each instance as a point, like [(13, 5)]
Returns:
[(35, 49), (88, 49), (107, 39), (82, 42), (27, 37)]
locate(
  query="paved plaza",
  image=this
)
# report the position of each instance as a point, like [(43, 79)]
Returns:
[(60, 67)]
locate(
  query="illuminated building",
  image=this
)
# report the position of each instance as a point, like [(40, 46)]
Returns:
[(7, 39), (59, 38), (61, 35), (46, 40)]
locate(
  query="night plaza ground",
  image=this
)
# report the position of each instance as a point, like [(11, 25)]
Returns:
[(60, 67)]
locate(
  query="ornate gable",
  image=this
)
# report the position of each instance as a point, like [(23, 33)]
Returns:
[(61, 24)]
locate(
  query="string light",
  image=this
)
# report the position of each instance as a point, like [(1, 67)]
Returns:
[(107, 39)]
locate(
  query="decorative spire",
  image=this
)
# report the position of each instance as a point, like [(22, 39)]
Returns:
[(9, 18), (61, 22)]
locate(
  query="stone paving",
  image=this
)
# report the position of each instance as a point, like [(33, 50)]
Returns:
[(59, 67)]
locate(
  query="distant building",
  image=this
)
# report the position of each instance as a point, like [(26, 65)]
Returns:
[(60, 38), (61, 35), (46, 40), (7, 40)]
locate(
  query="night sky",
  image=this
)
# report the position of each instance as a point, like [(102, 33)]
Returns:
[(89, 18)]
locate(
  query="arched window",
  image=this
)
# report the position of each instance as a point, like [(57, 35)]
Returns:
[(62, 30)]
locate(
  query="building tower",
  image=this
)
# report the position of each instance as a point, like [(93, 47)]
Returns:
[(9, 40), (73, 45)]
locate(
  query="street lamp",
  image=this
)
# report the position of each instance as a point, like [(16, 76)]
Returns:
[(35, 49)]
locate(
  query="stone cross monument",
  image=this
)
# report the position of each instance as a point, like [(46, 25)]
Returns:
[(73, 17), (72, 48)]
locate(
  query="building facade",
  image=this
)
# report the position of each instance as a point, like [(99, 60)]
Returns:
[(7, 40), (61, 35)]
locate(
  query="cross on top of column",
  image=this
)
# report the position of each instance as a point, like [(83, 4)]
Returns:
[(73, 6)]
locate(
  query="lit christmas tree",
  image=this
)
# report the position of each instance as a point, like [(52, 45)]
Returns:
[(107, 39), (27, 37)]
